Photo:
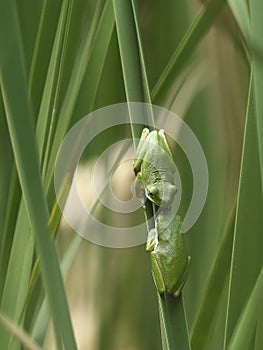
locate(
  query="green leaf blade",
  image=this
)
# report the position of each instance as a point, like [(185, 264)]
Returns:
[(247, 257), (19, 120)]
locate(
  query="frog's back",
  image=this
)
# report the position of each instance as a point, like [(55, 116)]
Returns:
[(159, 167)]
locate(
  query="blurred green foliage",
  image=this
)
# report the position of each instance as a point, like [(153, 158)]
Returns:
[(72, 64)]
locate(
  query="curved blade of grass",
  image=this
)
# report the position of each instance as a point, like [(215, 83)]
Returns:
[(245, 328), (43, 317), (70, 98), (241, 13), (45, 120), (42, 50), (52, 225), (97, 58), (247, 259), (133, 67), (29, 26), (129, 50), (200, 331), (19, 333), (22, 244), (6, 161), (20, 259), (146, 90), (190, 41), (44, 123), (99, 52), (94, 69), (19, 264), (7, 233), (145, 84), (10, 196), (256, 8), (14, 290), (19, 122), (90, 48), (58, 93), (259, 333), (248, 17)]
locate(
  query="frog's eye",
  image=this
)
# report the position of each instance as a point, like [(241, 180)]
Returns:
[(152, 194)]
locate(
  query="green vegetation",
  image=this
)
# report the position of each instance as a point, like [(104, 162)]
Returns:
[(59, 61)]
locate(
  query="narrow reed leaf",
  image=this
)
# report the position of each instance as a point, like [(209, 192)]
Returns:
[(53, 224), (259, 333), (80, 66), (246, 325), (247, 259), (97, 57), (146, 90), (19, 118), (241, 13), (22, 249), (134, 77), (19, 333), (172, 317), (42, 50), (19, 264), (173, 323), (94, 68), (190, 41), (256, 8), (9, 224), (129, 50), (43, 317), (44, 122), (6, 158), (219, 276)]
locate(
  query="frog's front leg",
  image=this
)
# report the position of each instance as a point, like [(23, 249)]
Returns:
[(140, 151), (139, 189), (152, 240)]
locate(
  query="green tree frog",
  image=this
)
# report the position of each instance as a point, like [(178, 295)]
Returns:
[(154, 167), (169, 257)]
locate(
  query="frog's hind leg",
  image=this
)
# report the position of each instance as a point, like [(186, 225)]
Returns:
[(184, 278), (157, 274)]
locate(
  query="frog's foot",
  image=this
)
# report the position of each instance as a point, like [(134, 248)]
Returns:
[(164, 143), (140, 151), (184, 278)]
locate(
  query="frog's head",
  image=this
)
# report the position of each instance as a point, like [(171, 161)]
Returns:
[(162, 194)]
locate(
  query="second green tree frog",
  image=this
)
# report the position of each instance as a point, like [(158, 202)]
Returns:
[(154, 167), (169, 256)]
